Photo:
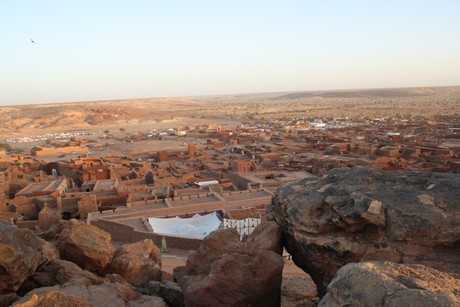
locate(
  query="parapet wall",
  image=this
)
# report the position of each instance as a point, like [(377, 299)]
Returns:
[(127, 234)]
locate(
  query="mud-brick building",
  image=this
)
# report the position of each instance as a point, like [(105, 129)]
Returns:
[(243, 166)]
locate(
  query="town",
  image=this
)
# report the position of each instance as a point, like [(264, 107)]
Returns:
[(230, 153), (171, 186), (233, 170)]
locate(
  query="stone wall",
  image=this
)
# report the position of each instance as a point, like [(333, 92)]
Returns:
[(127, 234)]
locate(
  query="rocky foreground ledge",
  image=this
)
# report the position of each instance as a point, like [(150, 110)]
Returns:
[(78, 267), (358, 214), (367, 238), (385, 284)]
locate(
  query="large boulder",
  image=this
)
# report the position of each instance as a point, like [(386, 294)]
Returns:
[(267, 236), (212, 248), (8, 299), (171, 293), (386, 284), (138, 262), (167, 290), (88, 246), (59, 272), (78, 295), (226, 272), (21, 253), (298, 291), (62, 271), (358, 214)]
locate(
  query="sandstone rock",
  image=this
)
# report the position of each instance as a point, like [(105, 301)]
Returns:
[(169, 291), (229, 273), (50, 297), (267, 236), (297, 291), (148, 301), (21, 253), (385, 284), (212, 247), (237, 279), (138, 262), (78, 295), (150, 288), (172, 294), (59, 272), (8, 299), (62, 271), (86, 245), (52, 233), (358, 214)]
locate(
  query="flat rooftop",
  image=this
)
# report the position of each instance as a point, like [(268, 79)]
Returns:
[(186, 201), (185, 206), (41, 187)]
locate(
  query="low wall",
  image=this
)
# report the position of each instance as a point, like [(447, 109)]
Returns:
[(127, 234)]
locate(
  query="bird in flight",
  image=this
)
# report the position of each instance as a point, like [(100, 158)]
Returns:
[(32, 41)]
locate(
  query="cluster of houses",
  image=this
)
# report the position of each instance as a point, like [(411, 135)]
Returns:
[(233, 171)]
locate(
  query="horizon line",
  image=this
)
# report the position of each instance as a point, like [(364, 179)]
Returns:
[(102, 100)]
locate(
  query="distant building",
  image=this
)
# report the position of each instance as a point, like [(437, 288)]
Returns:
[(55, 187), (243, 166)]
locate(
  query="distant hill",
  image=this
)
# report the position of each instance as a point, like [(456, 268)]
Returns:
[(33, 119), (385, 93)]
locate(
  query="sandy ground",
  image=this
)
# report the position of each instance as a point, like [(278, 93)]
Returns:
[(131, 126), (146, 146)]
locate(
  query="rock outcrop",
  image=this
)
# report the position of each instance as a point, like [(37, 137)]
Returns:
[(385, 284), (8, 299), (59, 272), (88, 246), (21, 253), (266, 236), (111, 294), (168, 290), (226, 272), (31, 269), (138, 262), (298, 291), (358, 214)]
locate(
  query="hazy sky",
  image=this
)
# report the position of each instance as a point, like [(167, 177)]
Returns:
[(101, 49)]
